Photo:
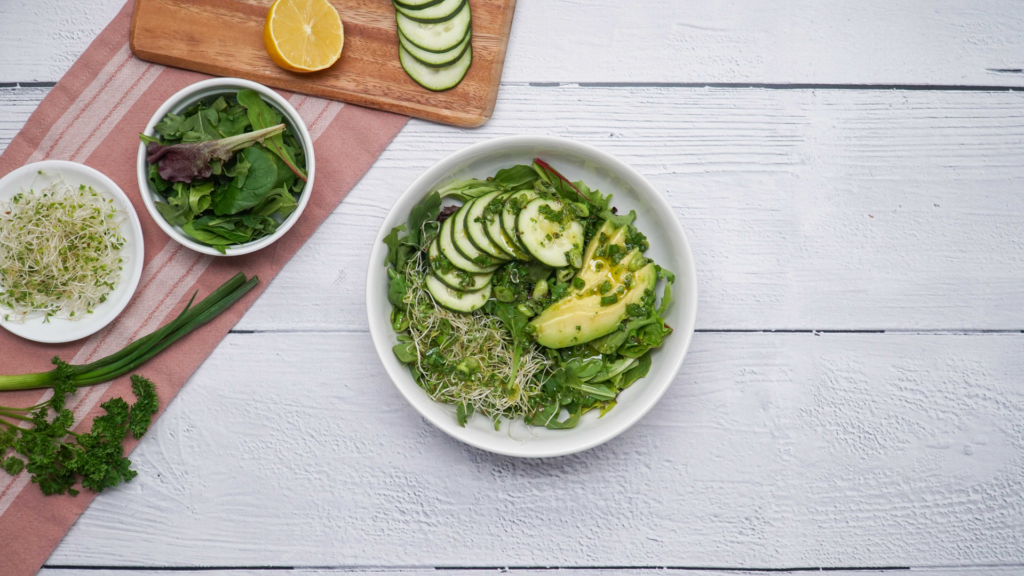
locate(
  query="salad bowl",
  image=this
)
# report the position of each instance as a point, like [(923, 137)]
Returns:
[(668, 247), (208, 90)]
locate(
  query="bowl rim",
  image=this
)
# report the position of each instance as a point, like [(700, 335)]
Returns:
[(688, 288), (138, 249), (227, 83)]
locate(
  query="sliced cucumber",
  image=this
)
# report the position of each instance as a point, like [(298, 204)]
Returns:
[(456, 278), (510, 211), (439, 37), (548, 241), (436, 59), (436, 79), (497, 234), (457, 300), (465, 246), (445, 10), (444, 242), (416, 4), (475, 227)]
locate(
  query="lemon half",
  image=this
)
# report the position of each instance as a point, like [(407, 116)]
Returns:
[(303, 35)]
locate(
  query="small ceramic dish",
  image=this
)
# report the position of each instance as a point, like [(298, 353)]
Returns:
[(669, 248), (210, 90), (58, 330)]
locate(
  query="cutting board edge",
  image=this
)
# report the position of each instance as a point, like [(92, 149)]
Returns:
[(442, 116)]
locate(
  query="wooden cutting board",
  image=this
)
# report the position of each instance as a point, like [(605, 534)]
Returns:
[(225, 38)]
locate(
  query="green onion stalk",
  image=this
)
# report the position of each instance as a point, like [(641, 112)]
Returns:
[(142, 350)]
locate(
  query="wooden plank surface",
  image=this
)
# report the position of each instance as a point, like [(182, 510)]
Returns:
[(177, 33), (769, 450), (938, 571), (806, 209), (772, 450), (946, 42)]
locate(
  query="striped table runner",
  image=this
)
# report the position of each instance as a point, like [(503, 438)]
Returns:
[(94, 116)]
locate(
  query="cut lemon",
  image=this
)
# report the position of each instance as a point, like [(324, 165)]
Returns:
[(303, 35)]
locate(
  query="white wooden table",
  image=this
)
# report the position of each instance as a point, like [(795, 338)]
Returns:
[(851, 176)]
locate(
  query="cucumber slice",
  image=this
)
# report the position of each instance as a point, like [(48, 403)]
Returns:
[(497, 234), (436, 79), (436, 59), (548, 241), (465, 246), (444, 242), (457, 300), (475, 227), (510, 211), (416, 4), (456, 278), (439, 37), (445, 10)]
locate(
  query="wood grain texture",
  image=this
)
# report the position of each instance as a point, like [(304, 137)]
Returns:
[(928, 42), (951, 571), (769, 450), (806, 210), (178, 33)]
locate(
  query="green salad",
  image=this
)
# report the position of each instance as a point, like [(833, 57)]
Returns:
[(532, 299), (228, 169)]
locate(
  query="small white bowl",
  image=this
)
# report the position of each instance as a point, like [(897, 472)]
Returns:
[(669, 248), (60, 330), (213, 88)]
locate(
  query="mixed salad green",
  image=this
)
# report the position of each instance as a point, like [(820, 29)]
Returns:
[(532, 299), (229, 169)]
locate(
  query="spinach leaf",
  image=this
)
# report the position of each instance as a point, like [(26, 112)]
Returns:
[(279, 201), (397, 288), (239, 170), (466, 190), (158, 182), (259, 181), (199, 197), (518, 177), (394, 243), (618, 221), (405, 352), (175, 216), (425, 211), (261, 115), (638, 371)]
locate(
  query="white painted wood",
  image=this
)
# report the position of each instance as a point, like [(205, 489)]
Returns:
[(957, 571), (743, 41), (770, 450), (806, 209)]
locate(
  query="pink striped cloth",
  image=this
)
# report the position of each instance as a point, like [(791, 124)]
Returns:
[(94, 116)]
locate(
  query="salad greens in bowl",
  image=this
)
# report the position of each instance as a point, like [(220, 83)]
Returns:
[(531, 296), (228, 166)]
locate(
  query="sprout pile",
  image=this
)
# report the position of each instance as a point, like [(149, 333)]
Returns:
[(60, 251)]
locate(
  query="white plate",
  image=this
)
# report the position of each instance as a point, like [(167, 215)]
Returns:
[(59, 330), (210, 89), (669, 248)]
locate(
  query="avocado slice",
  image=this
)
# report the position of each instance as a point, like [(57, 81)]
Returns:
[(580, 316)]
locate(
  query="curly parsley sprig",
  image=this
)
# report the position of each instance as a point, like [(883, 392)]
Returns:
[(59, 458)]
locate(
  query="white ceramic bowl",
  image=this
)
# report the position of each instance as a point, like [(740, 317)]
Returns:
[(59, 330), (669, 248), (213, 88)]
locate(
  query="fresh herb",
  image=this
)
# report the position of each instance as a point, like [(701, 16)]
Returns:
[(59, 458), (142, 350)]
